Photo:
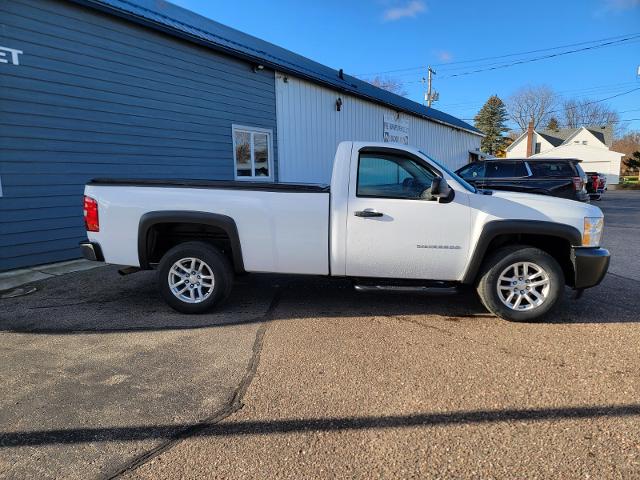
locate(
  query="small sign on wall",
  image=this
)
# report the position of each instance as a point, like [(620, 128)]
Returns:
[(10, 55), (395, 130)]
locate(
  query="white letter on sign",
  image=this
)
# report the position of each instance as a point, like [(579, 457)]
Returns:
[(14, 55)]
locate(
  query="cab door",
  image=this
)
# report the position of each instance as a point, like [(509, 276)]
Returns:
[(394, 228)]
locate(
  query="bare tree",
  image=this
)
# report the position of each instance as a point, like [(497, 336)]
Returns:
[(532, 103), (392, 85), (578, 113)]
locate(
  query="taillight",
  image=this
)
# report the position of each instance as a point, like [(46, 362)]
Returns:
[(596, 182), (91, 221), (577, 183)]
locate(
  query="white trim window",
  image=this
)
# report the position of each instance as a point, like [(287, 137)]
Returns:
[(252, 153)]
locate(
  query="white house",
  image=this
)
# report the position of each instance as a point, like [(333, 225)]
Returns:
[(592, 145)]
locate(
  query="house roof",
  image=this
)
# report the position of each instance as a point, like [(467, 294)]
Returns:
[(555, 141), (604, 134), (188, 25)]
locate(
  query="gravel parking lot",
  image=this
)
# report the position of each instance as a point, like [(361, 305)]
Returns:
[(305, 378)]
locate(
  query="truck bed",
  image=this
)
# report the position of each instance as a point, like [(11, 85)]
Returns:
[(281, 227)]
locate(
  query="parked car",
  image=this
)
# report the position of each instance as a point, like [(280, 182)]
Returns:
[(596, 185), (558, 177), (392, 219)]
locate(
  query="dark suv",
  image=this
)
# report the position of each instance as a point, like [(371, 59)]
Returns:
[(558, 177)]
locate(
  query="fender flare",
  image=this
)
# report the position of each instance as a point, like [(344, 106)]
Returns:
[(224, 222), (493, 229)]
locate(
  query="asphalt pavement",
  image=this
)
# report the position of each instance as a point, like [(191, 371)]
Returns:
[(305, 378)]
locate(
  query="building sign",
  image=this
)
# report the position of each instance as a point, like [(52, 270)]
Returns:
[(395, 130), (10, 55)]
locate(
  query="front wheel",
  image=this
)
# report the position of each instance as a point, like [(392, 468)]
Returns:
[(194, 277), (520, 284)]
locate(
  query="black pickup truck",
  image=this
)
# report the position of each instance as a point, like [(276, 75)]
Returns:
[(558, 177), (596, 185)]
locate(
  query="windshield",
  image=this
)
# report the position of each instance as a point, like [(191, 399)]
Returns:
[(455, 176)]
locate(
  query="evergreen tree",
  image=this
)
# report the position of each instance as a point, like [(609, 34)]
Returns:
[(633, 162), (553, 124), (491, 120)]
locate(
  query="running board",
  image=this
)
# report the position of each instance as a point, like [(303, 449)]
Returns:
[(407, 289), (128, 270)]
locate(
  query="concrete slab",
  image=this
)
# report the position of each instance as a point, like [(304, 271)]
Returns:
[(62, 268), (16, 278)]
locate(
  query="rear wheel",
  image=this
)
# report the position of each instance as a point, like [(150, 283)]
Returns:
[(194, 277), (520, 284)]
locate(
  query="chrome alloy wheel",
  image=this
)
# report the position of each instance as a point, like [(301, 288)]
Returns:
[(523, 286), (191, 280)]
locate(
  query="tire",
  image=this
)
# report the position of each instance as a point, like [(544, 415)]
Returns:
[(502, 264), (201, 294)]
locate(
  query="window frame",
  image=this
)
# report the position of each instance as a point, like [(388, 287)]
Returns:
[(251, 131), (572, 167), (515, 164), (395, 154)]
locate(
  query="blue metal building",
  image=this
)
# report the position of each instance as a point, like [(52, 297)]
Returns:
[(92, 88)]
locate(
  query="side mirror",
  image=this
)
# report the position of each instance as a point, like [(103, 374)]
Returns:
[(440, 188)]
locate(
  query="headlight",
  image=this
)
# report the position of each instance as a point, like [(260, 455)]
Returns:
[(592, 231)]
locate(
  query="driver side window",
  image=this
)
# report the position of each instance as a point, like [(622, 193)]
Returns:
[(392, 176), (472, 171)]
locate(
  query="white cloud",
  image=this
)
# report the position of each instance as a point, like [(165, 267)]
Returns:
[(409, 9), (445, 56), (620, 5)]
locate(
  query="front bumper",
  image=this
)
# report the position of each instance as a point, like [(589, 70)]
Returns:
[(91, 251), (589, 265)]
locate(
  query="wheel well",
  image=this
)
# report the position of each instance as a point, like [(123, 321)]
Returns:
[(559, 248), (161, 237)]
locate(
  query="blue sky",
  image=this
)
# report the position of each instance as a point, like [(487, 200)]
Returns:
[(368, 36)]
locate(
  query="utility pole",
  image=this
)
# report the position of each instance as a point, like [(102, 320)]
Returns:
[(424, 92), (430, 96)]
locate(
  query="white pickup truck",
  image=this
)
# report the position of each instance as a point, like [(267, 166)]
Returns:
[(392, 218)]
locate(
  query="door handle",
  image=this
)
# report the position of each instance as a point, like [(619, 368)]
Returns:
[(368, 213)]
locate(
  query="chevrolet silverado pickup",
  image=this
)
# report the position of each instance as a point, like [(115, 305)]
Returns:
[(392, 218)]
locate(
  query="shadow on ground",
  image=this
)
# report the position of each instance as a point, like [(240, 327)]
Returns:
[(100, 300), (134, 433)]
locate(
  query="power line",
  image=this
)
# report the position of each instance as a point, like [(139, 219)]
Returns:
[(544, 57), (444, 65), (538, 50), (613, 43), (601, 100)]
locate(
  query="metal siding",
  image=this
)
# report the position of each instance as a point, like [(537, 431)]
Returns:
[(310, 128), (186, 24), (95, 95)]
